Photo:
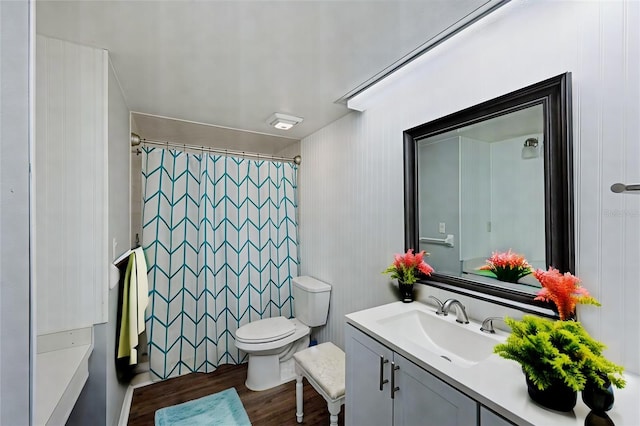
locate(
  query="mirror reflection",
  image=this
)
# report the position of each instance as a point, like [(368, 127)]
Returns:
[(481, 190)]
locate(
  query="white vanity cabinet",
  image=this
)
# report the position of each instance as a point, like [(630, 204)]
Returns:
[(444, 374), (383, 388), (367, 385)]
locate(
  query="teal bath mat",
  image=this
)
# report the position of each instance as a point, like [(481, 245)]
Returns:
[(220, 409)]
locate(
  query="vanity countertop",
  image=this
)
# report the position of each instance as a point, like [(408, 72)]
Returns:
[(494, 382)]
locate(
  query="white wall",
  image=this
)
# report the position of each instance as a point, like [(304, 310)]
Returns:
[(14, 213), (82, 208), (102, 396), (517, 200), (352, 186), (71, 250), (119, 227)]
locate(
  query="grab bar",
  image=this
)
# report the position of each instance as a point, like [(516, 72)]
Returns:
[(621, 187), (449, 241)]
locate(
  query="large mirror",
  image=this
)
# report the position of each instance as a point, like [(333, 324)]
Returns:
[(494, 178)]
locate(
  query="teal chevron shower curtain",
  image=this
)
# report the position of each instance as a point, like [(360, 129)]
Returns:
[(220, 237)]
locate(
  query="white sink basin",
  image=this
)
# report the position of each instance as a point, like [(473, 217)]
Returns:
[(461, 344)]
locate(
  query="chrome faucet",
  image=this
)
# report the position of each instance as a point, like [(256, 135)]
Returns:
[(461, 313), (487, 325), (439, 305)]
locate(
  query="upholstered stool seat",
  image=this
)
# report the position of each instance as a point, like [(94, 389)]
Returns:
[(324, 367)]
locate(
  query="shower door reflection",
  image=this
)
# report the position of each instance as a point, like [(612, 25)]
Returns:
[(484, 184)]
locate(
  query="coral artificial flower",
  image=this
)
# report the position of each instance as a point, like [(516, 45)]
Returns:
[(507, 266), (406, 266), (563, 290)]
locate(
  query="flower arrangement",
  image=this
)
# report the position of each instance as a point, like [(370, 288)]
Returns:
[(564, 291), (407, 266), (507, 266)]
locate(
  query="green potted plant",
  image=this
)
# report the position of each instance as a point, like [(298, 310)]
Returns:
[(406, 268), (559, 358)]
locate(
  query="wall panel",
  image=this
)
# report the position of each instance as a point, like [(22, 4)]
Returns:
[(71, 202), (15, 130), (351, 190)]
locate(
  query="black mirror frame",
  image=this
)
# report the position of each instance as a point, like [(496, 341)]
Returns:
[(555, 95)]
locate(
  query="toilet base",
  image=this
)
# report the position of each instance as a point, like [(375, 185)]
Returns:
[(267, 372), (273, 369)]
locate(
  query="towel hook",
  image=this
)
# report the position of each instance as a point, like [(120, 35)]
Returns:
[(621, 187)]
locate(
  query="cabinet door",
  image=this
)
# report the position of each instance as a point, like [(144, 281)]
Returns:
[(423, 399), (365, 403), (489, 418)]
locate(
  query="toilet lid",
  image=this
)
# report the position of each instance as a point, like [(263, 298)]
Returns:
[(265, 330)]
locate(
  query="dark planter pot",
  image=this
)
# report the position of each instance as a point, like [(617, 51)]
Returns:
[(406, 292), (557, 397), (597, 398), (509, 275)]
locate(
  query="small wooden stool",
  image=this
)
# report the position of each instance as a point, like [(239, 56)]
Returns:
[(324, 367)]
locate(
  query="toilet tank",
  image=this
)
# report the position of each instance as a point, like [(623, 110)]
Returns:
[(311, 300)]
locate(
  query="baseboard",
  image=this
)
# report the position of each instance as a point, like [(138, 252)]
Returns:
[(140, 380)]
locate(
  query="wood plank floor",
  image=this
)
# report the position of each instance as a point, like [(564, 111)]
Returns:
[(273, 407)]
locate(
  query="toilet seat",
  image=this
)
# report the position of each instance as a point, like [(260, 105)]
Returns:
[(265, 330)]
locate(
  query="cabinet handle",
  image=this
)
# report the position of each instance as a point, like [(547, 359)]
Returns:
[(383, 381), (394, 388)]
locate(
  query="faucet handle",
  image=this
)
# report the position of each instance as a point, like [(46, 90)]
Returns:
[(439, 304), (461, 312), (487, 325)]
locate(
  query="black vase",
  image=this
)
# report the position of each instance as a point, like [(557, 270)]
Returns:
[(558, 396), (598, 419), (597, 398), (406, 292)]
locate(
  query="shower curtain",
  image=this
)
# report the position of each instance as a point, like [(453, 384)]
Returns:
[(220, 237)]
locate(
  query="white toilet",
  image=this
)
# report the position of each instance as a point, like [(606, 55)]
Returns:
[(271, 342)]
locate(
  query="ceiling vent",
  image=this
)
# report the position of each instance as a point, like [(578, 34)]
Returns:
[(283, 121)]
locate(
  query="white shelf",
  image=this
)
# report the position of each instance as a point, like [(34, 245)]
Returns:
[(60, 376)]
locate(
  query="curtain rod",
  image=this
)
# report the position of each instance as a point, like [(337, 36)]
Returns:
[(137, 140)]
